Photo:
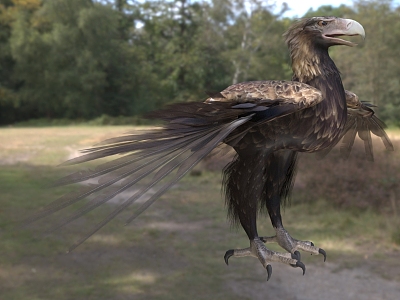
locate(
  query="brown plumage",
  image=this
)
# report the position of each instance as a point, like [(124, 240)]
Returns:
[(266, 122)]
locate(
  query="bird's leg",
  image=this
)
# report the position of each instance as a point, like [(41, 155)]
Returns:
[(245, 183), (292, 245), (265, 256), (257, 247), (284, 240)]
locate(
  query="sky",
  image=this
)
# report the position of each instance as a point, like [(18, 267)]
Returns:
[(300, 7)]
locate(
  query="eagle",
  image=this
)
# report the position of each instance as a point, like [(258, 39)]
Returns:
[(266, 123)]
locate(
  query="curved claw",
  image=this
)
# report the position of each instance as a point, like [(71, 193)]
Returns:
[(322, 251), (296, 255), (227, 255), (269, 271), (299, 264)]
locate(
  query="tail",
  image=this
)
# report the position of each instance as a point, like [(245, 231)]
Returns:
[(157, 159)]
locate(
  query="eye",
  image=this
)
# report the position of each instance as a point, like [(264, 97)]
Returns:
[(322, 23)]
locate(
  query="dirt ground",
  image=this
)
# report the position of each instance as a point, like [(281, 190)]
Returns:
[(321, 281), (173, 251)]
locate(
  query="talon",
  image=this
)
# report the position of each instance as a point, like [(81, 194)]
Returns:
[(269, 271), (227, 255), (296, 255), (322, 251), (299, 264)]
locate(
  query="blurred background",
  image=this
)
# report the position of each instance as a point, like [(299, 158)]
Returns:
[(75, 72)]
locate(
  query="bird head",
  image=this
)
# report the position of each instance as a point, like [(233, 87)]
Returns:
[(323, 31), (309, 39)]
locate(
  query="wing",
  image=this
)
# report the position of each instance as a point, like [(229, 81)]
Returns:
[(268, 93), (361, 120), (156, 160)]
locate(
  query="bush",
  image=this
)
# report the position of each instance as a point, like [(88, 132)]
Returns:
[(396, 237), (353, 183)]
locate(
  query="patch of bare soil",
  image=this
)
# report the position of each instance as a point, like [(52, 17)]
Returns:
[(322, 281)]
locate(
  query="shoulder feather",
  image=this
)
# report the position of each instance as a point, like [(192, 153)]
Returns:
[(269, 92)]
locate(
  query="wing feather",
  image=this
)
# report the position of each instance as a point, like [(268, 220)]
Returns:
[(361, 120), (270, 93)]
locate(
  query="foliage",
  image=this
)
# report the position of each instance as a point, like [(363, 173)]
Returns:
[(346, 183), (74, 59)]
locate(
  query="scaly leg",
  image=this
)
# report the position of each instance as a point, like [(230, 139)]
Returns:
[(292, 245), (282, 237), (245, 185), (265, 256)]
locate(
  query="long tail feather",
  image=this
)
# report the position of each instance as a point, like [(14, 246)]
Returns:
[(105, 168), (159, 156), (183, 163)]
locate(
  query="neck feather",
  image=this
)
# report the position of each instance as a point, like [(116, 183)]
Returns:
[(310, 61)]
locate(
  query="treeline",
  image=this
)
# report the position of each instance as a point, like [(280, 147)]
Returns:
[(80, 59)]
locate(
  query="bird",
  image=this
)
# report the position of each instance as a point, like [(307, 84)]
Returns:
[(267, 124)]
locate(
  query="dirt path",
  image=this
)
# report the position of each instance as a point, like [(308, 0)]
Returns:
[(320, 282)]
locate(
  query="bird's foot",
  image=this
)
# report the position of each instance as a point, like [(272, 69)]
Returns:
[(257, 249), (292, 245)]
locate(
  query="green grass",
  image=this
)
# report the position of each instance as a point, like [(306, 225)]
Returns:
[(99, 121), (172, 251)]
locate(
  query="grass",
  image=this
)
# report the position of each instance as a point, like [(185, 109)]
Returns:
[(172, 251), (99, 121)]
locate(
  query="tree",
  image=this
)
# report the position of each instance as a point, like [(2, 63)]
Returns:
[(253, 37), (341, 11), (170, 34), (73, 63), (9, 99), (81, 59)]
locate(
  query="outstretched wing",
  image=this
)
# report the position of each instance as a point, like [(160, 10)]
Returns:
[(156, 160), (361, 120)]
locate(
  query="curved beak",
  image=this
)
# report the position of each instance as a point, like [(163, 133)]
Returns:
[(344, 27), (354, 28)]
